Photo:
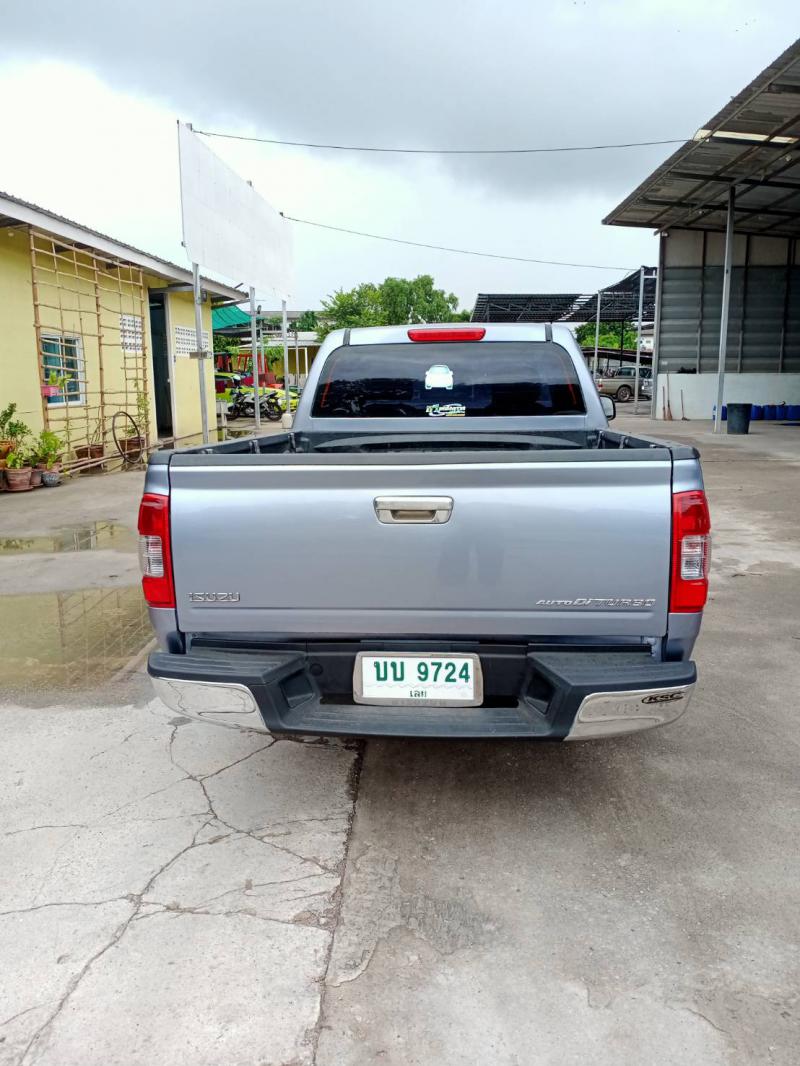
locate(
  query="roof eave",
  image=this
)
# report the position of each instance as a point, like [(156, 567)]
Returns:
[(72, 231)]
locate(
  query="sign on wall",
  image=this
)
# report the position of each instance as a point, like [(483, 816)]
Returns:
[(227, 227)]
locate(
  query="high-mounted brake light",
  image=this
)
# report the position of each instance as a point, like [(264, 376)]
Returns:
[(155, 556), (426, 336), (691, 551)]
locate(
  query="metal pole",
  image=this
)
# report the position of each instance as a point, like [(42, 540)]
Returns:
[(638, 343), (296, 360), (287, 402), (657, 327), (262, 357), (596, 336), (305, 360), (254, 351), (726, 303), (201, 355)]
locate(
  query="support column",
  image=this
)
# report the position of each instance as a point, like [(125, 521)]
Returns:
[(254, 352), (596, 335), (726, 304), (638, 342), (201, 353), (287, 403)]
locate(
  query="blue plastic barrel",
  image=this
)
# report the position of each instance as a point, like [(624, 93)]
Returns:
[(793, 412), (756, 412), (769, 412), (780, 412)]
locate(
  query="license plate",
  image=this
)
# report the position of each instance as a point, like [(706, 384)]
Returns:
[(406, 680)]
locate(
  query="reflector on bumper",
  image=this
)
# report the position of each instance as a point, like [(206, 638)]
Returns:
[(605, 714)]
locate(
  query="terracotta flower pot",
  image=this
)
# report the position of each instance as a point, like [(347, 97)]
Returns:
[(36, 477), (89, 451), (133, 444), (5, 447), (18, 480)]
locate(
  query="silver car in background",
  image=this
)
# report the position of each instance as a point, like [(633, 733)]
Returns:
[(621, 384)]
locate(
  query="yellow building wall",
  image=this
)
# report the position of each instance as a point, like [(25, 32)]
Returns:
[(76, 294), (79, 295), (185, 383), (19, 376)]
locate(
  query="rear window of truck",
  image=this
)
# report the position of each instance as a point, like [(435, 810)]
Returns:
[(486, 379)]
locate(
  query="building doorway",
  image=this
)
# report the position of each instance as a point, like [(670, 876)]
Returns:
[(161, 383)]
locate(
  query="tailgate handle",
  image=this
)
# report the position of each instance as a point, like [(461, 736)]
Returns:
[(413, 510)]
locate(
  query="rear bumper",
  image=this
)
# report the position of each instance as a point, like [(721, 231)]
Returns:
[(548, 695)]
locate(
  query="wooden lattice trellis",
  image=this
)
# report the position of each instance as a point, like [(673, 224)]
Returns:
[(89, 314)]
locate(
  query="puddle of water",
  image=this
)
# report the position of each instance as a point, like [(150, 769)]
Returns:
[(90, 537), (66, 641)]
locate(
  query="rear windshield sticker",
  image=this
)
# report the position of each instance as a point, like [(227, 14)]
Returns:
[(438, 376), (446, 410)]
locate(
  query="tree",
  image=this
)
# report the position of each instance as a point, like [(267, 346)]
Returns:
[(395, 302), (307, 321), (225, 343), (273, 357), (610, 333)]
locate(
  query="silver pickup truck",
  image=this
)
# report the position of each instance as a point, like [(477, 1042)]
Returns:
[(449, 542)]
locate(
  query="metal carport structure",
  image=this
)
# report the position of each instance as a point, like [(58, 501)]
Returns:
[(727, 208), (630, 300), (617, 303)]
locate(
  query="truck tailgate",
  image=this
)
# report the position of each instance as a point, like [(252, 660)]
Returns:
[(561, 544)]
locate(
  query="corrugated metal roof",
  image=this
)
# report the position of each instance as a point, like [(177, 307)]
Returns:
[(753, 143), (618, 303)]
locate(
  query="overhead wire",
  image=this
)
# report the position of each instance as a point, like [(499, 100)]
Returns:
[(446, 248), (439, 151), (442, 151)]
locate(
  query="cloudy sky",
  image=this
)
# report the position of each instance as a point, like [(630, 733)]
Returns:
[(92, 91)]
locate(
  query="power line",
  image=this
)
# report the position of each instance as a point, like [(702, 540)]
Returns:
[(458, 251), (440, 151)]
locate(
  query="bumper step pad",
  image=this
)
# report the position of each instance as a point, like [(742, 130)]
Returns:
[(627, 688)]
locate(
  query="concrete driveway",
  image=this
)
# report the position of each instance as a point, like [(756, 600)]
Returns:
[(177, 894)]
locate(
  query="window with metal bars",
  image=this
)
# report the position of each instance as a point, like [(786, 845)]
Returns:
[(63, 365)]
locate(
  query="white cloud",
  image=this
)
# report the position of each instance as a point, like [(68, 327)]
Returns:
[(95, 140)]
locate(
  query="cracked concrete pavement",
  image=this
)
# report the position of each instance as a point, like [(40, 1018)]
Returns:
[(164, 888), (173, 893)]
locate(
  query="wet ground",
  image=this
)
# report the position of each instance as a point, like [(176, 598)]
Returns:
[(172, 893)]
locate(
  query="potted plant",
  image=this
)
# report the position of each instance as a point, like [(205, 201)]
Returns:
[(18, 471), (46, 455), (135, 442), (51, 478), (6, 441), (94, 448), (55, 384), (14, 431)]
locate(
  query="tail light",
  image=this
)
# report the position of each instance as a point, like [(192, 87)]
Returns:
[(155, 557), (691, 551), (426, 336)]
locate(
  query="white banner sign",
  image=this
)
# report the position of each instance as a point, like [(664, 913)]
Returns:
[(227, 227)]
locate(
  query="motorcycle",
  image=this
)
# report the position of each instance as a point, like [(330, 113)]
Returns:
[(243, 405)]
